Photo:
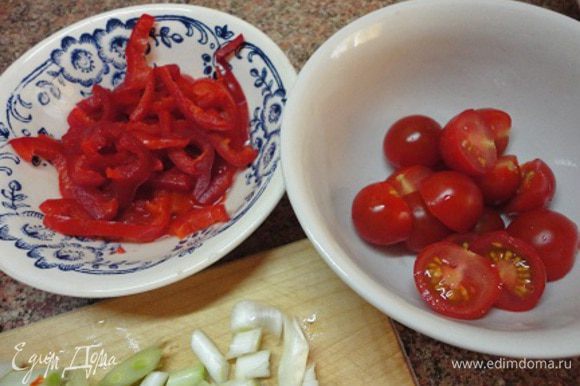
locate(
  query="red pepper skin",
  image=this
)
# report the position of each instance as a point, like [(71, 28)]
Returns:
[(153, 142), (64, 207), (82, 172), (199, 165), (198, 219), (42, 146), (137, 68)]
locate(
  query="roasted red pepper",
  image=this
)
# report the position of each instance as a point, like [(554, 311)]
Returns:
[(153, 156)]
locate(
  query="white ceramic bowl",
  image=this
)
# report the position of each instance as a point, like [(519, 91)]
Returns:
[(436, 58), (39, 90)]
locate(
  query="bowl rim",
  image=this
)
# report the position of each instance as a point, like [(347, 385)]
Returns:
[(520, 344), (240, 231)]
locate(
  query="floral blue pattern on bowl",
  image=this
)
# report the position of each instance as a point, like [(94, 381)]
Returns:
[(98, 58)]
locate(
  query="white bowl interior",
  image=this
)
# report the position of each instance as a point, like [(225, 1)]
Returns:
[(436, 58)]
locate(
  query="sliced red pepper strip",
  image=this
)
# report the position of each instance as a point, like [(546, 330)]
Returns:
[(198, 219), (226, 76), (209, 120), (79, 118), (240, 158), (82, 172), (42, 146), (173, 179), (64, 207), (137, 171), (197, 166), (160, 216), (137, 67), (154, 142), (144, 105), (221, 182)]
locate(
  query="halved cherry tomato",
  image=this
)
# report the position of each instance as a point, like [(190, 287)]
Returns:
[(413, 140), (456, 282), (500, 124), (489, 221), (464, 240), (426, 228), (553, 235), (521, 270), (536, 189), (408, 180), (454, 199), (500, 183), (380, 215), (467, 144)]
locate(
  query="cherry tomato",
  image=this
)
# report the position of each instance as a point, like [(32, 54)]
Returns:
[(536, 189), (426, 228), (407, 180), (454, 199), (521, 270), (456, 282), (380, 215), (489, 221), (500, 124), (413, 140), (500, 183), (553, 235), (467, 144), (464, 240)]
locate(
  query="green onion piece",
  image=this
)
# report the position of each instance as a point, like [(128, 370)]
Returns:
[(190, 376), (76, 378), (52, 379), (133, 368)]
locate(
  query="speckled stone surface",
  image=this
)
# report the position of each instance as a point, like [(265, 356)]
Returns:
[(298, 27)]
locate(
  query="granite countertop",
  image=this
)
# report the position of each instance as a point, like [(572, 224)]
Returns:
[(298, 28)]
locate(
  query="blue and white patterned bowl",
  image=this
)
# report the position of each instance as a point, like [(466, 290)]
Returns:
[(39, 90)]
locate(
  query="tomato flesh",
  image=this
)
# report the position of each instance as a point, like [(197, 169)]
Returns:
[(426, 228), (536, 190), (553, 235), (464, 240), (454, 199), (456, 282), (409, 179), (500, 124), (467, 144), (521, 270), (501, 182), (413, 140), (380, 215)]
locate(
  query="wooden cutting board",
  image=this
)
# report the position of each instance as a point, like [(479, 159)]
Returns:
[(351, 342)]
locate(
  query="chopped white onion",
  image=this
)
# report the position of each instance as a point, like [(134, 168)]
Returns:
[(156, 378), (203, 382), (294, 356), (310, 376), (248, 314), (256, 365), (245, 342), (207, 352), (241, 382)]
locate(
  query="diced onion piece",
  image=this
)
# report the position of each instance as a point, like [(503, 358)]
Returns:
[(245, 342), (190, 376), (133, 368), (310, 376), (294, 356), (203, 382), (256, 365), (248, 314), (241, 382), (217, 366), (156, 378)]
